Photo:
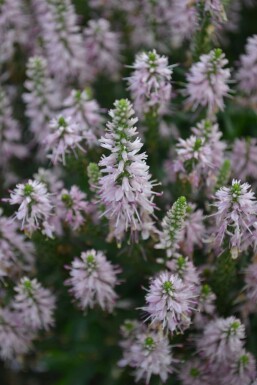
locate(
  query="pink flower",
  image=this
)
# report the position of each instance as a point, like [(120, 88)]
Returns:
[(15, 339), (207, 298), (216, 10), (186, 271), (193, 231), (51, 178), (247, 71), (251, 283), (10, 133), (72, 207), (235, 216), (150, 83), (221, 339), (208, 82), (64, 137), (244, 158), (41, 97), (194, 159), (170, 302), (102, 48), (206, 307), (125, 188), (34, 206), (211, 134), (86, 112), (241, 370), (16, 252), (92, 280), (182, 18), (194, 372), (34, 304), (149, 353), (200, 157), (14, 28), (63, 42)]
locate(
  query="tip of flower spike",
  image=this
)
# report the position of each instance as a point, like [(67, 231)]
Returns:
[(90, 258), (206, 290), (217, 53), (28, 189), (236, 190), (182, 200), (168, 287), (36, 62), (181, 261), (91, 263), (189, 209), (198, 144), (122, 108), (244, 359), (27, 284), (66, 198), (234, 326), (129, 325), (62, 122), (149, 343), (93, 172), (194, 372), (78, 95), (207, 125), (152, 57), (122, 103), (89, 92)]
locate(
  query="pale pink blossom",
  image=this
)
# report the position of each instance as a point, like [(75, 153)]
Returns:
[(244, 158), (10, 133), (125, 187), (221, 339), (216, 10), (193, 231), (247, 70), (199, 158), (251, 283), (150, 83), (194, 372), (102, 49), (194, 160), (34, 304), (35, 206), (62, 38), (207, 82), (14, 28), (235, 216), (92, 281), (210, 132), (85, 111), (241, 370), (64, 137), (170, 302), (16, 252), (42, 98), (149, 353), (51, 178), (185, 270), (15, 339), (206, 307), (72, 207)]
